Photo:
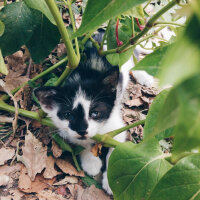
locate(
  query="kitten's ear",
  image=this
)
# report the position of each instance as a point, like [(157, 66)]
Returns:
[(111, 78), (47, 97)]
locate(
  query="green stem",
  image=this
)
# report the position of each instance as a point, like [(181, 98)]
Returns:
[(76, 162), (132, 41), (105, 35), (147, 4), (26, 113), (95, 43), (63, 76), (71, 15), (117, 131), (5, 97), (72, 57), (168, 23)]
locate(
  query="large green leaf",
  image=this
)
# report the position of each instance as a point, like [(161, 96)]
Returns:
[(19, 25), (187, 131), (152, 62), (97, 12), (41, 6), (183, 60), (44, 39), (134, 170), (2, 28), (181, 182), (116, 58), (137, 12)]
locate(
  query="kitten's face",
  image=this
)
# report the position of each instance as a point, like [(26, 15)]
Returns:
[(82, 107)]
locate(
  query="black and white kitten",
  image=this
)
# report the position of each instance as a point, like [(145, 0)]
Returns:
[(88, 103)]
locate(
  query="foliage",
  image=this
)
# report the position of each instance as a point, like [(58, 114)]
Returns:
[(135, 171)]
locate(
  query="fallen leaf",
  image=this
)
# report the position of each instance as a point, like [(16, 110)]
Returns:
[(61, 190), (5, 119), (50, 171), (6, 198), (134, 102), (26, 185), (68, 168), (4, 179), (49, 195), (16, 194), (8, 170), (96, 149), (6, 154), (34, 155), (67, 179), (57, 151)]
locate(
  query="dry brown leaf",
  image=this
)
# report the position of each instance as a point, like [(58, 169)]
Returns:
[(6, 119), (8, 170), (96, 149), (6, 154), (34, 155), (26, 185), (68, 168), (6, 198), (16, 194), (50, 171), (4, 179), (67, 179), (134, 102), (61, 190), (49, 195), (57, 151)]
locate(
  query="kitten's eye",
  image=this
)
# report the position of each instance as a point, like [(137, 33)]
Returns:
[(68, 114), (95, 114)]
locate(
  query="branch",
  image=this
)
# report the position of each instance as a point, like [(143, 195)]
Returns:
[(132, 41), (72, 57)]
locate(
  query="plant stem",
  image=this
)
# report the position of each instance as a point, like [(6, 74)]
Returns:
[(168, 23), (105, 35), (5, 97), (132, 41), (72, 57), (117, 131), (95, 43), (67, 71), (26, 113)]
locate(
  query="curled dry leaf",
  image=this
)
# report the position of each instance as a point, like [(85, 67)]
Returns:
[(57, 151), (5, 119), (134, 102), (26, 185), (67, 179), (49, 195), (96, 149), (6, 154), (68, 168), (50, 171), (34, 155), (4, 179), (16, 194), (8, 170)]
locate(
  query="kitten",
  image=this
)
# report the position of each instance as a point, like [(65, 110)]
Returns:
[(88, 103)]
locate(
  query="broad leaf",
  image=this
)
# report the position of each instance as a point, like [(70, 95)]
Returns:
[(181, 182), (44, 39), (184, 57), (97, 12), (134, 170), (152, 62), (137, 12), (116, 58), (19, 25), (42, 7), (3, 67), (2, 28), (187, 131)]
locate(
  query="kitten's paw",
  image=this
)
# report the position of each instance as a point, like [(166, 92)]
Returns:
[(105, 184), (143, 78), (91, 164)]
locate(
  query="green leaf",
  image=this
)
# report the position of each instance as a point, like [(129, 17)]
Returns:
[(51, 81), (134, 170), (187, 131), (88, 181), (44, 39), (181, 182), (137, 12), (97, 12), (19, 25), (42, 7), (183, 60), (2, 28), (116, 58), (3, 67), (152, 62)]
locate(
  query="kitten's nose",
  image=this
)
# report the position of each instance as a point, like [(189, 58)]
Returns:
[(82, 132)]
